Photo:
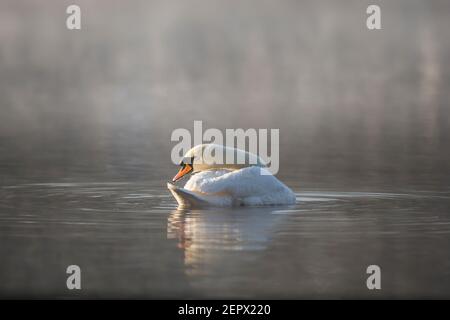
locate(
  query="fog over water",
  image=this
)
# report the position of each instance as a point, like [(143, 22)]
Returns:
[(86, 118)]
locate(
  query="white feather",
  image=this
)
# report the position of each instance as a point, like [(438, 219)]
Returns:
[(250, 186)]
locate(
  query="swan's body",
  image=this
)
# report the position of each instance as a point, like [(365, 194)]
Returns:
[(229, 185)]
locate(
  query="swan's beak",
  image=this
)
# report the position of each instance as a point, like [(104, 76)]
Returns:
[(187, 168)]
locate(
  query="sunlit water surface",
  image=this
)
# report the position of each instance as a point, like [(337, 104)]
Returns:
[(130, 240)]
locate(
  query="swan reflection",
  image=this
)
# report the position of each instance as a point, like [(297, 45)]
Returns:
[(208, 237)]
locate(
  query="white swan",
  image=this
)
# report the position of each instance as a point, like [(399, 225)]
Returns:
[(216, 184)]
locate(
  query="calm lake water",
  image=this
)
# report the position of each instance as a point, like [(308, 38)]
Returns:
[(86, 118), (131, 241)]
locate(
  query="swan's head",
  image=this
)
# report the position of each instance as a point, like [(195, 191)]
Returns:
[(213, 157), (187, 166)]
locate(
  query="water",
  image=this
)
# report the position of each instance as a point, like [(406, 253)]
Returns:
[(130, 240), (85, 125)]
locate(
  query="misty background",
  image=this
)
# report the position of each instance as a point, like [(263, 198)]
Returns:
[(354, 106)]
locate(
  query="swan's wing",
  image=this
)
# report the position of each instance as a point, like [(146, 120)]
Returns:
[(246, 186), (186, 198), (206, 182), (246, 182), (192, 199)]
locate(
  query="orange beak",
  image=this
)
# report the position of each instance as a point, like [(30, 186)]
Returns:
[(183, 171)]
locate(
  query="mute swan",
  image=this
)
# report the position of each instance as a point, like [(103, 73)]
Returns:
[(215, 184)]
